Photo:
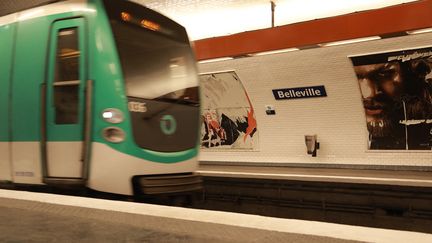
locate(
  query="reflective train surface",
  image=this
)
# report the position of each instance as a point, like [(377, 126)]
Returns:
[(100, 94)]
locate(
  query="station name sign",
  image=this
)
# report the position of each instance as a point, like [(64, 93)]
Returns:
[(299, 92)]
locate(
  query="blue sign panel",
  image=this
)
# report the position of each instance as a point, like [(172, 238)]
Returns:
[(300, 92)]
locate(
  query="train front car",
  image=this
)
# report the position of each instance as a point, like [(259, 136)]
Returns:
[(146, 103)]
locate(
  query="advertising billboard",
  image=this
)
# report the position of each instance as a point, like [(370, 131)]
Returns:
[(396, 90), (228, 117)]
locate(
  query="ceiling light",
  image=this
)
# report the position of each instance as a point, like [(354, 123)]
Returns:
[(275, 51), (350, 41), (420, 31), (215, 60)]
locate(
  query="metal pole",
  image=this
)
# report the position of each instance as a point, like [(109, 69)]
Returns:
[(273, 6)]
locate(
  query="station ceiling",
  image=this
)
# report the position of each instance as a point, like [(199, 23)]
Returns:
[(212, 18)]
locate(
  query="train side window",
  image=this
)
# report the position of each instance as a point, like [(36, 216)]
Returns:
[(67, 77)]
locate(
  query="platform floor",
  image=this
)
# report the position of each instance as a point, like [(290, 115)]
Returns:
[(39, 217), (363, 176)]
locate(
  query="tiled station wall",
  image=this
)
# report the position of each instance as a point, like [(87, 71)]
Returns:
[(338, 119)]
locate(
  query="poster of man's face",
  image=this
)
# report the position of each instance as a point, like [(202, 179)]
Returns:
[(396, 91)]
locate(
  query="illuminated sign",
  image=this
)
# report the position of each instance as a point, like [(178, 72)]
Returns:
[(150, 25), (127, 17)]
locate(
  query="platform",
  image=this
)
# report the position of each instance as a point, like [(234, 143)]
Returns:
[(40, 217), (340, 175)]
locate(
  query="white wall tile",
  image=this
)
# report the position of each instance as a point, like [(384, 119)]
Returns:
[(337, 119)]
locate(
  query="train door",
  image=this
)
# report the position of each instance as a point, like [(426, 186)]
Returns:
[(64, 147)]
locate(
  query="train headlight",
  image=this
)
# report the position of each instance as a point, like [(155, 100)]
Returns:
[(113, 134), (112, 115)]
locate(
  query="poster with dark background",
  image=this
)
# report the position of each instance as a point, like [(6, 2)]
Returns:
[(396, 91)]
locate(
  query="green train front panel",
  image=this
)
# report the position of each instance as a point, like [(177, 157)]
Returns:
[(6, 50), (116, 77)]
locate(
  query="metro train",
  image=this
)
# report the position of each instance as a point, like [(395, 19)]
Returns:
[(99, 94)]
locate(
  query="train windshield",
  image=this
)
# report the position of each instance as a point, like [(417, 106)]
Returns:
[(161, 82), (156, 67)]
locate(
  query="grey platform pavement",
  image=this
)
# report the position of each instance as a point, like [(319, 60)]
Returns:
[(41, 217)]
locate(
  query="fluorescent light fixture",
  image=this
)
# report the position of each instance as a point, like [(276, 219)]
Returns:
[(420, 31), (215, 60), (370, 38), (275, 51)]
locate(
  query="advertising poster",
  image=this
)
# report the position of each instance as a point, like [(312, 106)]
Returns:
[(228, 118), (396, 91)]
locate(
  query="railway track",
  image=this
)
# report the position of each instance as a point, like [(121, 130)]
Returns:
[(384, 206)]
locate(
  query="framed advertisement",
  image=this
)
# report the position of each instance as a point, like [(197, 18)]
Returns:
[(396, 90)]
